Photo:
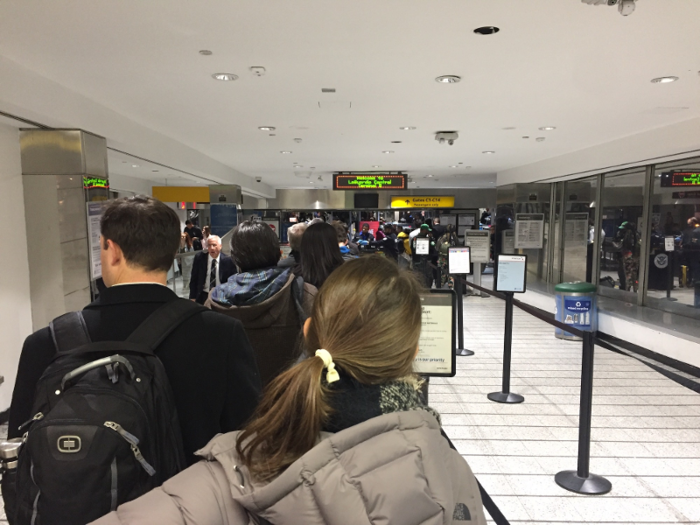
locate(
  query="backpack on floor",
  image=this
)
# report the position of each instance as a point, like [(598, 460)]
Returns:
[(105, 429)]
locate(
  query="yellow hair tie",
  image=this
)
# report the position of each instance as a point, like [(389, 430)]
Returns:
[(332, 374)]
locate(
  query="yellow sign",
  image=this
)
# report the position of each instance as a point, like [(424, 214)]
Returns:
[(181, 193), (427, 201)]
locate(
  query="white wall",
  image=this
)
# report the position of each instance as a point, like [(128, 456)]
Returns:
[(124, 183), (15, 306), (681, 139)]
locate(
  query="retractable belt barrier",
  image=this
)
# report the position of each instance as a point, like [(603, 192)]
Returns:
[(581, 480)]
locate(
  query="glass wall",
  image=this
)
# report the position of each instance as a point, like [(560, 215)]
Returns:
[(673, 270), (579, 233), (622, 223)]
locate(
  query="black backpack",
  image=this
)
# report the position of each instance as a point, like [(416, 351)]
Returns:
[(106, 430)]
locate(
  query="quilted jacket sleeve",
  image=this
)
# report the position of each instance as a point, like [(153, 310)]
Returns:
[(199, 495)]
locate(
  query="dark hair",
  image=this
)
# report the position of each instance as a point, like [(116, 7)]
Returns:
[(320, 254), (296, 404), (341, 231), (254, 246), (146, 230), (188, 222)]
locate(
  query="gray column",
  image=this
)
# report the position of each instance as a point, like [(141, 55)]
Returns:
[(54, 163)]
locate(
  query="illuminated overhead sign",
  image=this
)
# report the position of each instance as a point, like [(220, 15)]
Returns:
[(95, 182), (427, 201), (370, 181), (675, 179)]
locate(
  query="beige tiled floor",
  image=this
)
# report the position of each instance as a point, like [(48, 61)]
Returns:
[(646, 428)]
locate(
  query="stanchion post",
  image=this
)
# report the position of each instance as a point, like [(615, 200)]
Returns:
[(460, 350), (581, 481), (505, 395)]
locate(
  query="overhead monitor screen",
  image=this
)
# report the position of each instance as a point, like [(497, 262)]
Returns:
[(677, 179), (436, 346), (510, 273), (369, 181), (459, 260)]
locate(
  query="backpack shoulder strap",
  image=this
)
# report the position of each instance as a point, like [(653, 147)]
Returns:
[(161, 323), (69, 331)]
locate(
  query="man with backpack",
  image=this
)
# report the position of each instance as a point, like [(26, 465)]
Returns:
[(113, 400)]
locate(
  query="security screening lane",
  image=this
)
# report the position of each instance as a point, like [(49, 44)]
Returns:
[(645, 427)]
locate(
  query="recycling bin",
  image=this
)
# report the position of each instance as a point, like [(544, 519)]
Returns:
[(576, 306)]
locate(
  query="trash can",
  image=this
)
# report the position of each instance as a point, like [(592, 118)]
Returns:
[(576, 306)]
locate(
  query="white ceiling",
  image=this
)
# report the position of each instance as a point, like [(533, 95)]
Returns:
[(584, 69)]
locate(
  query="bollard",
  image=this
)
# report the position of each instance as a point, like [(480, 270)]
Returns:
[(505, 395), (581, 481)]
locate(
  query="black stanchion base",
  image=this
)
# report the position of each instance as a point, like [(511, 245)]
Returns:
[(592, 485), (464, 352), (503, 397)]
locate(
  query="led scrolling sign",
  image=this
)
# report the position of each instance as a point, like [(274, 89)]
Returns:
[(95, 182), (674, 179), (372, 181)]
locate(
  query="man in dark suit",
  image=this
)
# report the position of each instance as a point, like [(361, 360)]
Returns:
[(210, 268), (208, 358)]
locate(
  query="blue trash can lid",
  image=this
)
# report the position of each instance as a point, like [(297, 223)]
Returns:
[(579, 287)]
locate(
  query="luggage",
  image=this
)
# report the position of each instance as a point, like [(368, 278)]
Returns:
[(106, 429)]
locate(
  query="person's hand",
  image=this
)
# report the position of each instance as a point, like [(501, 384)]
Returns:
[(193, 300)]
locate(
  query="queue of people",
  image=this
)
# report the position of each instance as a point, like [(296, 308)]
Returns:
[(263, 391)]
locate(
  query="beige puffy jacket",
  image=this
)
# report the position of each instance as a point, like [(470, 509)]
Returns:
[(395, 468)]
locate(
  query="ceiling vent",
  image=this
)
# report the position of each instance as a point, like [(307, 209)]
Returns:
[(334, 105), (327, 90)]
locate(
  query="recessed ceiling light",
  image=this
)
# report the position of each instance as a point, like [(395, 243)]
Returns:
[(387, 151), (526, 136), (311, 182), (663, 80), (396, 142), (488, 152), (407, 128), (448, 79), (285, 152), (266, 128), (134, 165), (453, 166), (430, 176), (205, 52), (154, 171), (547, 128), (487, 30), (376, 166), (273, 134), (540, 139), (509, 128), (226, 77)]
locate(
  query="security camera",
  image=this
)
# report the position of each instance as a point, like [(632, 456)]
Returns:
[(258, 179), (446, 136), (626, 7)]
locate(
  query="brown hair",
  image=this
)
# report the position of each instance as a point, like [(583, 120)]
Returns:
[(146, 230), (295, 404)]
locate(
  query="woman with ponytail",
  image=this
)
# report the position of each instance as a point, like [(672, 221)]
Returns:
[(341, 438)]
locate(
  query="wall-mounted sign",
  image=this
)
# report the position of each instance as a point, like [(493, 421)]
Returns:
[(95, 182), (672, 179), (370, 181), (686, 194), (529, 230), (427, 201), (576, 229)]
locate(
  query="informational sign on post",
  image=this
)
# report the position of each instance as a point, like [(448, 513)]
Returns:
[(422, 246), (436, 346), (94, 214), (459, 260), (669, 244), (511, 271), (529, 230), (576, 229), (508, 241), (480, 243)]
